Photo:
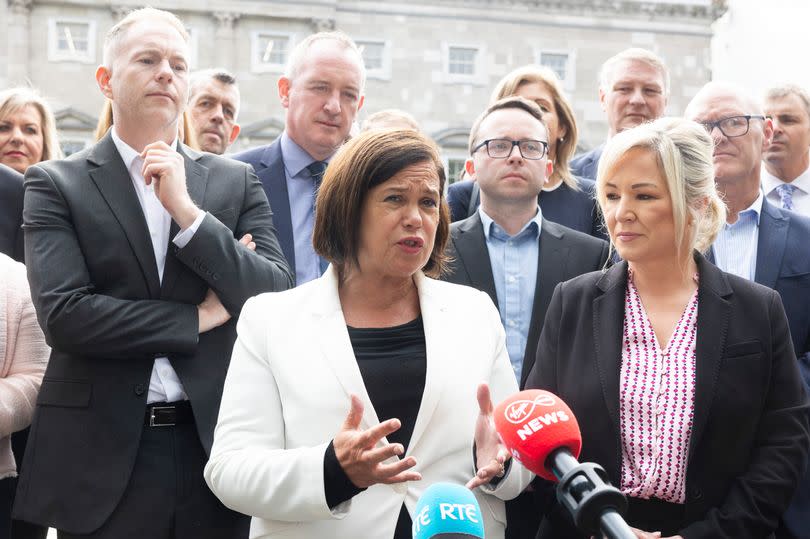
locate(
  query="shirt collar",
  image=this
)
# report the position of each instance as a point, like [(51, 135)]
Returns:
[(128, 153), (771, 182), (755, 207), (296, 158), (488, 222)]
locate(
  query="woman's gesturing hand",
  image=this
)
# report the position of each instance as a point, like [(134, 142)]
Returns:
[(362, 460), (490, 454)]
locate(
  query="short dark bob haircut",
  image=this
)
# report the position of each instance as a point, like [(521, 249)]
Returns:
[(363, 163)]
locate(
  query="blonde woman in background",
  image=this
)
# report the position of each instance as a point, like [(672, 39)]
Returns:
[(27, 129)]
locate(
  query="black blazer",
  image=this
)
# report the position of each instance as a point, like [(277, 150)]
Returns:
[(563, 254), (750, 435), (107, 316), (576, 210), (268, 164), (11, 207)]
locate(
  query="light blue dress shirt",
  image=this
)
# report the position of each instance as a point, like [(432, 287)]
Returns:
[(514, 268), (301, 191), (735, 249)]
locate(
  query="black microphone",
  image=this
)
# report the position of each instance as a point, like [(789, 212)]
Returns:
[(542, 433)]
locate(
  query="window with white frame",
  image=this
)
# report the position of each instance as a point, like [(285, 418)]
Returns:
[(71, 40), (270, 51), (376, 58), (562, 63), (193, 47), (69, 147), (462, 60), (463, 63)]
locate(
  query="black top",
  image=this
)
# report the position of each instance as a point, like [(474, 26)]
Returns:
[(392, 362)]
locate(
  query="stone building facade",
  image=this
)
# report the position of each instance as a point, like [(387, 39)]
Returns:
[(438, 59)]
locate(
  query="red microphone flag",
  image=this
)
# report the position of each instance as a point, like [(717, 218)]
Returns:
[(533, 424)]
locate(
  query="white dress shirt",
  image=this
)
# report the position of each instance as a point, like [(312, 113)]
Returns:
[(801, 195), (164, 385)]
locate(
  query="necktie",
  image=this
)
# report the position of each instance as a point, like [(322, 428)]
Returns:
[(785, 191), (316, 170)]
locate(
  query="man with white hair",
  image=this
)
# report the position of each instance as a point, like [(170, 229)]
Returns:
[(760, 241), (136, 274), (633, 89), (786, 174), (322, 90)]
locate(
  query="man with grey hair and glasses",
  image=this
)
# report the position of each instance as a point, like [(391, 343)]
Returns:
[(760, 241), (786, 162), (633, 89), (213, 109), (321, 90)]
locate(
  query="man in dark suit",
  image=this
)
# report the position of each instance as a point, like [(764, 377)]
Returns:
[(633, 89), (759, 242), (136, 276), (508, 249), (322, 90), (11, 205)]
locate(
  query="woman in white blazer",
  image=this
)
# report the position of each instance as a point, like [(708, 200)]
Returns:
[(350, 395)]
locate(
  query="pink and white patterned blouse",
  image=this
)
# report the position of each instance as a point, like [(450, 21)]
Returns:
[(656, 402)]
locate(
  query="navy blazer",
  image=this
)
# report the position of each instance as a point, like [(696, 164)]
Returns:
[(576, 210), (563, 254), (268, 164), (11, 207), (749, 440), (586, 164)]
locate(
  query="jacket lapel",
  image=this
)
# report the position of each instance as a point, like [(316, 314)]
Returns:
[(196, 182), (439, 351), (773, 230), (608, 320), (551, 269), (274, 179), (333, 339), (473, 255), (115, 184), (714, 311)]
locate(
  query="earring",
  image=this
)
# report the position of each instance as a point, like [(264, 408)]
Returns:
[(561, 140)]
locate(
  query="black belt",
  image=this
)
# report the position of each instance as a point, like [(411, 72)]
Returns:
[(167, 414)]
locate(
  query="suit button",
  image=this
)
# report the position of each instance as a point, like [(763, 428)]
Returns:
[(697, 493), (140, 389)]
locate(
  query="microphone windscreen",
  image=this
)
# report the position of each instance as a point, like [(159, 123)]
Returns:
[(445, 511), (534, 423)]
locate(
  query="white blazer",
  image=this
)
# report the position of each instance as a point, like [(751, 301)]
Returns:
[(287, 394)]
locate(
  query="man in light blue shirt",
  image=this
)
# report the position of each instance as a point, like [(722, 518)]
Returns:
[(322, 91), (760, 241), (508, 250)]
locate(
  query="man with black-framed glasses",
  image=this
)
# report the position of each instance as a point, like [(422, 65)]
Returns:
[(508, 250), (760, 241)]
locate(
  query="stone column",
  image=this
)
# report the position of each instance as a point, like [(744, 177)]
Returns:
[(18, 40), (225, 40)]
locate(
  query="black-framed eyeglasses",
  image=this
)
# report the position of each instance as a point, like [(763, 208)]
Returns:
[(501, 148), (733, 126)]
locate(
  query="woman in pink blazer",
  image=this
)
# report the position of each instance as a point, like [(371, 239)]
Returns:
[(23, 357)]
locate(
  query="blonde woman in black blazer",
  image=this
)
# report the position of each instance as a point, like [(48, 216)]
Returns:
[(748, 434)]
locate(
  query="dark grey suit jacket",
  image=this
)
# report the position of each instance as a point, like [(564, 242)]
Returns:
[(563, 254), (11, 206), (107, 316), (749, 436)]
